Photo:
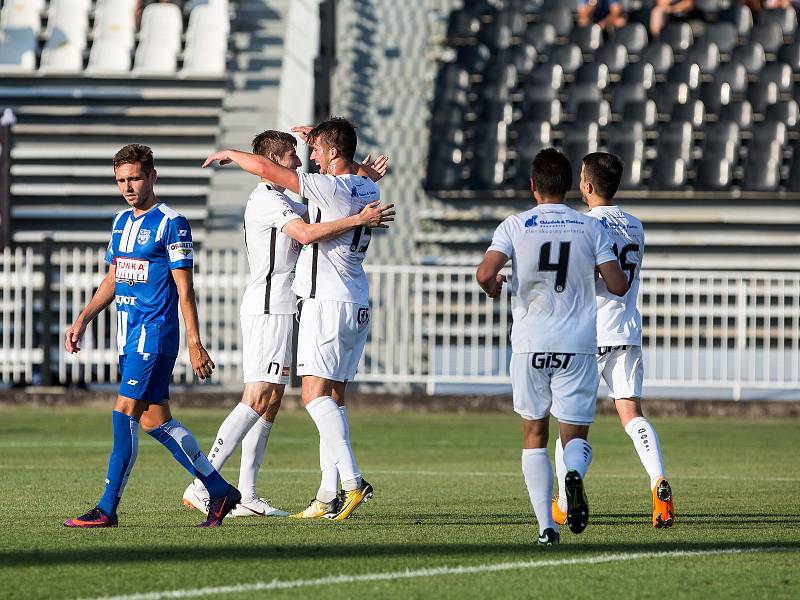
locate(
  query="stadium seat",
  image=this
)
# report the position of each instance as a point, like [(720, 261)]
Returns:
[(588, 38), (599, 112), (785, 18), (154, 59), (740, 16), (785, 111), (203, 60), (542, 36), (17, 50), (686, 72), (546, 75), (614, 56), (710, 8), (569, 56), (794, 173), (560, 17), (715, 95), (523, 57), (678, 36), (762, 171), (769, 35), (162, 24), (769, 132), (496, 36), (739, 112), (530, 137), (675, 140), (625, 93), (722, 34), (61, 58), (693, 111), (22, 14), (579, 140), (115, 21), (644, 112), (66, 26), (778, 73), (110, 57), (714, 173), (735, 75), (462, 26), (209, 20), (595, 73), (632, 175), (669, 173), (790, 54), (542, 110), (705, 55), (761, 96), (633, 36), (640, 73), (626, 131), (473, 58), (751, 56), (581, 92), (660, 56), (721, 140), (667, 95)]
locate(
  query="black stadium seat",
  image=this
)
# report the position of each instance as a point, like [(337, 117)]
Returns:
[(547, 75), (659, 55), (678, 36), (543, 110), (644, 112), (779, 73), (560, 17), (790, 54), (786, 111), (595, 73), (740, 16), (715, 95), (785, 18), (722, 140), (769, 35), (714, 173), (686, 72), (591, 110), (675, 140), (641, 73), (704, 54), (693, 111), (633, 36), (751, 56), (588, 38), (581, 92), (624, 93), (794, 173), (735, 74), (667, 95), (523, 57), (669, 173), (722, 34), (542, 36), (762, 171), (739, 112), (569, 56), (613, 55), (761, 95)]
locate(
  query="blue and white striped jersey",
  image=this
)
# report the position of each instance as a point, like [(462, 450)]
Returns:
[(144, 250)]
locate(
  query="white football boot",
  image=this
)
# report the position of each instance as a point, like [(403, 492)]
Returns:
[(193, 499), (257, 507)]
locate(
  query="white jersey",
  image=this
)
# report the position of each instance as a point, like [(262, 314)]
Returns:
[(618, 319), (272, 255), (333, 269), (554, 252)]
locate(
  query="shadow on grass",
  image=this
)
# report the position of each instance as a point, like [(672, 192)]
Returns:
[(147, 554)]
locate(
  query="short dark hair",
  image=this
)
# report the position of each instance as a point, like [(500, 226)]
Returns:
[(604, 171), (338, 133), (273, 142), (552, 173), (133, 154)]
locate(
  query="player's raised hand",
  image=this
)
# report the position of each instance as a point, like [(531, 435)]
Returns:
[(373, 215), (219, 155), (202, 365), (72, 339), (380, 165), (302, 131)]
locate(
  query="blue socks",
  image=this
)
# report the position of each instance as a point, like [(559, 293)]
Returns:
[(120, 463), (186, 450)]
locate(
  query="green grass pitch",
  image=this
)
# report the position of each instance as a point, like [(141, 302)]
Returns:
[(449, 493)]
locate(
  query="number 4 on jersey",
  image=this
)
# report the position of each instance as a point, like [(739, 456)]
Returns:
[(560, 266)]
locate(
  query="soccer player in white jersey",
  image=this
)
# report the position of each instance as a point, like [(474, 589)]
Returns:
[(274, 231), (619, 333), (555, 252), (333, 286)]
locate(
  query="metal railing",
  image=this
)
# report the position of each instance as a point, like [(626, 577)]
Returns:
[(430, 326)]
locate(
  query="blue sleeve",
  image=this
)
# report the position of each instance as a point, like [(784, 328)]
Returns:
[(178, 242), (109, 258)]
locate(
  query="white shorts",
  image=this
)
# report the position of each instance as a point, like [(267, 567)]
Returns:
[(557, 383), (331, 338), (622, 369), (267, 348)]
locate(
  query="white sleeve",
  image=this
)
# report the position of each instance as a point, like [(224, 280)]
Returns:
[(501, 240), (280, 213), (298, 207), (603, 247), (317, 188)]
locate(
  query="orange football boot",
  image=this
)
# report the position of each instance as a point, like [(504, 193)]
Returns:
[(663, 509), (559, 516)]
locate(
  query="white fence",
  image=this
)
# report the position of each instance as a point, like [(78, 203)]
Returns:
[(726, 332)]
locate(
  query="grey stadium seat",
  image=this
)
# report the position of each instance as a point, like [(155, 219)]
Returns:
[(722, 140), (569, 56), (785, 18), (613, 55), (678, 36), (751, 56), (790, 54), (739, 112), (542, 36), (633, 36), (625, 93), (645, 112), (660, 56), (675, 140), (714, 173), (704, 54), (740, 16), (693, 111), (724, 35), (588, 38), (686, 72), (769, 35), (61, 58), (669, 173), (641, 73), (735, 74), (581, 92), (599, 112), (595, 73), (786, 111), (667, 95), (560, 17), (543, 110)]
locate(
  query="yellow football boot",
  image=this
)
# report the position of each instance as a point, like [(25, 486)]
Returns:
[(353, 499), (559, 516), (317, 510)]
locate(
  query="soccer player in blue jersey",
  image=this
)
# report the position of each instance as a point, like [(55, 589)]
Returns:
[(149, 259)]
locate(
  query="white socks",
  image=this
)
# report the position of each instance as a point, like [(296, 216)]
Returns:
[(645, 440), (561, 475), (329, 483), (333, 432), (577, 456), (539, 480), (253, 446), (230, 434)]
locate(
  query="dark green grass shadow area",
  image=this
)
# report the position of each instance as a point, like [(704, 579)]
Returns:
[(147, 554)]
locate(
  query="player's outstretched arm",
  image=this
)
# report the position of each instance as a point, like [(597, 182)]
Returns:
[(488, 274), (613, 277), (374, 169), (100, 300), (373, 215), (202, 365), (258, 165)]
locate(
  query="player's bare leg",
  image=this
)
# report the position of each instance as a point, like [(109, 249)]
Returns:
[(317, 395), (538, 475), (648, 447)]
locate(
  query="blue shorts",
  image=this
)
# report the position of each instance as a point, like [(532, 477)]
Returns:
[(146, 376)]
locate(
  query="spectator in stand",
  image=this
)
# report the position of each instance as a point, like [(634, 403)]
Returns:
[(664, 11), (756, 6), (608, 14)]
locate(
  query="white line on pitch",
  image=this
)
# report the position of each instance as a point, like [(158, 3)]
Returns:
[(286, 584)]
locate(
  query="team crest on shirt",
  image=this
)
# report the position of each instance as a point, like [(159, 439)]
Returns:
[(143, 237), (532, 221)]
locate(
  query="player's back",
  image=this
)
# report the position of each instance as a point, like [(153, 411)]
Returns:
[(144, 250), (554, 250), (333, 269), (271, 254), (618, 319)]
